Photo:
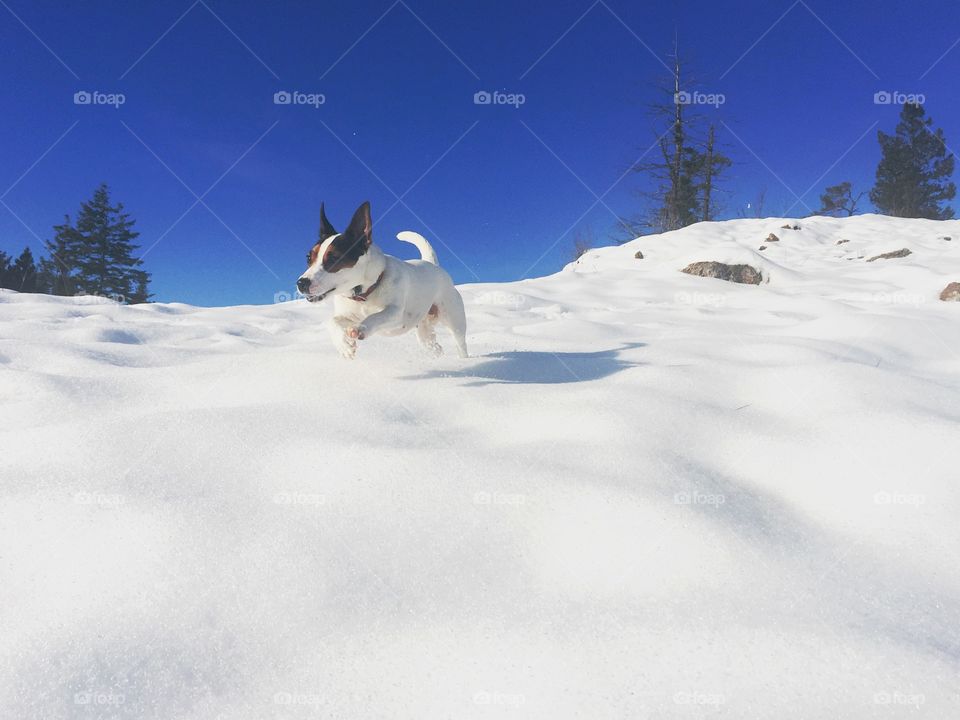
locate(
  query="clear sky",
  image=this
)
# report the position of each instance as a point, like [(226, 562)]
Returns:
[(500, 190)]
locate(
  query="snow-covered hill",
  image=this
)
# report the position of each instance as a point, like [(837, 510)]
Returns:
[(646, 495)]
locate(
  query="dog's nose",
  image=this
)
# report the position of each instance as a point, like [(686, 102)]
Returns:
[(303, 284)]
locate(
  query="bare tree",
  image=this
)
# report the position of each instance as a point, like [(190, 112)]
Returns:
[(712, 164), (685, 173), (583, 242), (755, 208)]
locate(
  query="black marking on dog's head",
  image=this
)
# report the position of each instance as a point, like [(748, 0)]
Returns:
[(348, 247)]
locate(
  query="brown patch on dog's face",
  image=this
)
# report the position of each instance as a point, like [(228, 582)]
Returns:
[(326, 230), (342, 253), (345, 250), (312, 255)]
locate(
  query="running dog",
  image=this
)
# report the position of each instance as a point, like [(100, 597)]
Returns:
[(375, 293)]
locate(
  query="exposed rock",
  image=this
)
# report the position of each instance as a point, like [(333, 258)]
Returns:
[(903, 252), (732, 273), (638, 255), (951, 293), (947, 238), (763, 247), (772, 238), (788, 226), (841, 242)]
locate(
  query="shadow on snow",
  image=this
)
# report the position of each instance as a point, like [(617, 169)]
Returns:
[(539, 368)]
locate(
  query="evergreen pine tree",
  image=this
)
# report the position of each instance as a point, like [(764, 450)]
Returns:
[(57, 271), (4, 269), (140, 293), (913, 176), (95, 254), (22, 275)]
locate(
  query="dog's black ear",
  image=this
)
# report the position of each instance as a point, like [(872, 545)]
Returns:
[(326, 229), (361, 226)]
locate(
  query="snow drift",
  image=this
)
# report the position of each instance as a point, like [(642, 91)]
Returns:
[(646, 495)]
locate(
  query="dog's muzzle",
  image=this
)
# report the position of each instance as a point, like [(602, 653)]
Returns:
[(303, 286)]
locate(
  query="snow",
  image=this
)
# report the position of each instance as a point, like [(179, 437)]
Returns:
[(646, 495)]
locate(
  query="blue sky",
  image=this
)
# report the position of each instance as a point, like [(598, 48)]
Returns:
[(500, 190)]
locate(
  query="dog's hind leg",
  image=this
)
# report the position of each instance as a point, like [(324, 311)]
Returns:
[(454, 317), (427, 335)]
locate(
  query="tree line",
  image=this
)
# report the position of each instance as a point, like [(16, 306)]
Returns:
[(685, 179), (91, 255)]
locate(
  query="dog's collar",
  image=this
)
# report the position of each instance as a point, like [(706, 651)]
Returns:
[(361, 295)]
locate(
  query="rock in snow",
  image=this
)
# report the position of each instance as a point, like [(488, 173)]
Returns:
[(732, 273), (951, 292), (903, 252), (646, 495)]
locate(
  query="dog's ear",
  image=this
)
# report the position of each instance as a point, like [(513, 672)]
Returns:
[(361, 226), (326, 229)]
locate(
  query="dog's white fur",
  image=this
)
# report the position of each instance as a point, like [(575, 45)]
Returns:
[(402, 301)]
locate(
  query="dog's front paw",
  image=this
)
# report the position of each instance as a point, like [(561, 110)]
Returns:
[(357, 332), (346, 347)]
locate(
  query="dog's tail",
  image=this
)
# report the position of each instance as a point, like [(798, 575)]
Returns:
[(420, 243)]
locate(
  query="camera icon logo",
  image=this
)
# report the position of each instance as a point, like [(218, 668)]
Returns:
[(682, 98), (82, 97), (882, 98), (282, 296), (482, 97), (282, 97)]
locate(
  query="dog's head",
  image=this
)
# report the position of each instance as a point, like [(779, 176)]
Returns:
[(336, 262)]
